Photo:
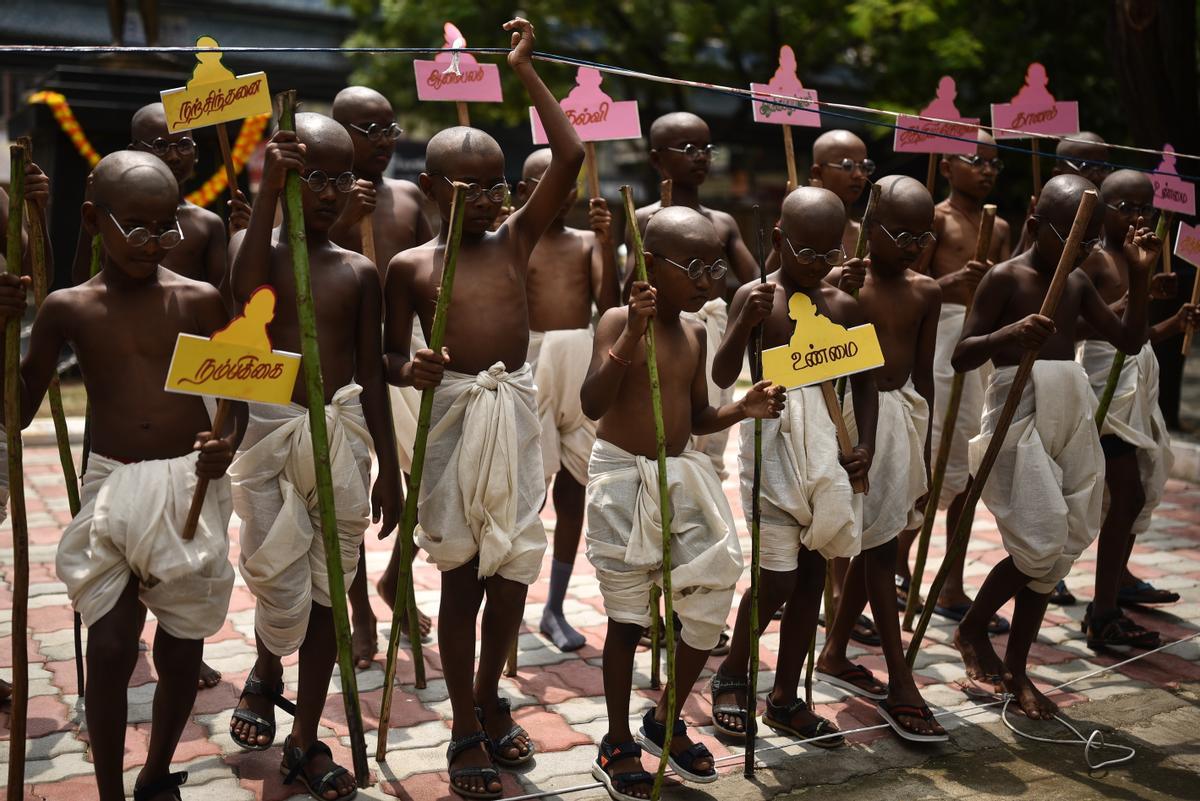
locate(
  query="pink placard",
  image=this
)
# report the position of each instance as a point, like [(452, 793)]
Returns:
[(785, 81), (922, 136), (595, 115), (457, 76), (1034, 109), (1172, 193), (1187, 243)]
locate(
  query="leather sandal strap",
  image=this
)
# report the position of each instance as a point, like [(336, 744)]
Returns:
[(171, 781), (456, 747), (290, 751)]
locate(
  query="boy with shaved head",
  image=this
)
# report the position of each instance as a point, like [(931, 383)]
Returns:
[(483, 478), (275, 495), (124, 551), (1134, 438), (1045, 489), (1082, 154), (683, 260), (808, 511), (569, 270), (840, 164)]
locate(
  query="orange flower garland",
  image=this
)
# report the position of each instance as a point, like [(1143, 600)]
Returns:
[(247, 140)]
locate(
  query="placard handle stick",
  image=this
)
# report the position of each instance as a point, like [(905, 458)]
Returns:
[(367, 233), (464, 114), (16, 483), (931, 172), (314, 386), (193, 517), (958, 543), (755, 522), (593, 173), (789, 153), (227, 158), (949, 421), (845, 446), (1187, 336), (664, 200), (1036, 156), (437, 337), (664, 503), (664, 189), (860, 251)]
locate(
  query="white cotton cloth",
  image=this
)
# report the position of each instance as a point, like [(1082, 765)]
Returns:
[(483, 482), (131, 524), (805, 497), (896, 480), (275, 495), (406, 405), (1046, 486), (533, 352), (1134, 416), (624, 540), (970, 409), (567, 433), (714, 315)]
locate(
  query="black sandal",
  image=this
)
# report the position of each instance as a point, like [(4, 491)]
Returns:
[(172, 781), (820, 733), (1114, 630), (508, 740), (618, 783), (488, 774), (1061, 596), (292, 768), (653, 734), (256, 686), (720, 685)]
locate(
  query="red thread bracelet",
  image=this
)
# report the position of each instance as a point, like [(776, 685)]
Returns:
[(618, 359)]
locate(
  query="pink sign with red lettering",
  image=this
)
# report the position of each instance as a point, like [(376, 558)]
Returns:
[(1034, 109), (595, 115), (1172, 193), (1187, 243), (786, 82), (457, 76), (915, 135)]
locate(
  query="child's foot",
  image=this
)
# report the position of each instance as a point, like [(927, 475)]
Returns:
[(1034, 704), (364, 639), (729, 711), (5, 691), (209, 677), (472, 773), (511, 745), (164, 788), (845, 675), (315, 769), (980, 659), (253, 724), (690, 760), (620, 769), (386, 587), (909, 716), (795, 718), (561, 633)]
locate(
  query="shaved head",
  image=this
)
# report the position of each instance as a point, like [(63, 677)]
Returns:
[(675, 123), (1127, 185), (836, 145), (450, 144), (536, 164), (815, 208), (680, 229), (149, 122), (324, 138), (897, 192), (1091, 144), (1063, 192), (354, 100), (123, 173)]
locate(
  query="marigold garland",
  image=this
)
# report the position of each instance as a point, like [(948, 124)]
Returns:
[(247, 140)]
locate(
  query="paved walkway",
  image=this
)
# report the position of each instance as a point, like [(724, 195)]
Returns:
[(557, 696)]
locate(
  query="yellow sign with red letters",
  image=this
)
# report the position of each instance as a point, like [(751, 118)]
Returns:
[(820, 349), (214, 94)]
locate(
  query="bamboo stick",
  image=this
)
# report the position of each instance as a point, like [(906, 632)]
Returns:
[(97, 251), (860, 252), (464, 114), (227, 159), (664, 200), (314, 387), (931, 172), (593, 172), (958, 544), (755, 522), (193, 517), (983, 243), (664, 193), (1036, 157), (789, 153), (367, 232), (664, 503)]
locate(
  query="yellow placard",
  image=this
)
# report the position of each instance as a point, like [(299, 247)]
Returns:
[(237, 362), (820, 349), (214, 94)]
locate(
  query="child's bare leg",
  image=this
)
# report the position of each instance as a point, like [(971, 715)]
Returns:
[(953, 593), (620, 645), (1125, 501), (462, 592), (688, 664), (112, 649), (208, 678), (832, 658), (317, 655), (797, 629), (386, 587), (364, 642), (971, 636), (569, 496), (837, 569), (903, 552), (268, 669), (178, 665), (1027, 620), (502, 614)]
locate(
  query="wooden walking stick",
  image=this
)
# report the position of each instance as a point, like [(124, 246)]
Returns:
[(367, 232), (958, 544), (464, 114), (437, 337), (16, 486), (664, 189), (755, 521), (97, 250), (789, 154), (931, 172), (982, 243), (314, 387), (1036, 157), (860, 251), (664, 503), (227, 159), (193, 517)]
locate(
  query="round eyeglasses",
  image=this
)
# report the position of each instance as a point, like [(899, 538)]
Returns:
[(377, 132), (696, 268), (318, 180), (139, 236), (160, 147)]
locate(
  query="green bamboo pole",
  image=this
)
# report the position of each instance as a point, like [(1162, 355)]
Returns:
[(16, 487), (755, 524), (665, 193), (982, 243), (314, 387), (664, 501), (958, 543), (437, 336), (860, 251), (97, 251)]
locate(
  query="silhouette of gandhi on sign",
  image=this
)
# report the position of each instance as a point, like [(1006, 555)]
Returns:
[(1034, 93), (249, 329)]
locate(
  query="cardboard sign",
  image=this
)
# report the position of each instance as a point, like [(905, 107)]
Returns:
[(457, 76), (916, 135), (1187, 243), (785, 81), (1035, 110), (820, 349), (1172, 193), (595, 116), (214, 94), (237, 362)]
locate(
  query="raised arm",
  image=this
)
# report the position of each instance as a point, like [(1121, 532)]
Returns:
[(45, 341), (751, 305), (983, 336), (251, 249), (743, 264), (1130, 332), (605, 290)]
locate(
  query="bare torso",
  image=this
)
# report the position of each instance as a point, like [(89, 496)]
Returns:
[(560, 280), (396, 221), (957, 232), (899, 308)]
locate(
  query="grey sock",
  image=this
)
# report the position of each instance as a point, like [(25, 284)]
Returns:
[(554, 625)]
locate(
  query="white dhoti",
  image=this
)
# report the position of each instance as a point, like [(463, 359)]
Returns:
[(406, 405), (896, 480), (1046, 486), (970, 409), (131, 524), (534, 351), (483, 482), (624, 540), (805, 496), (1134, 416), (715, 317), (567, 433), (275, 495)]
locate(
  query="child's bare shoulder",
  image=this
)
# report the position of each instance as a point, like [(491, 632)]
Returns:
[(203, 218), (188, 290), (399, 186), (844, 308)]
